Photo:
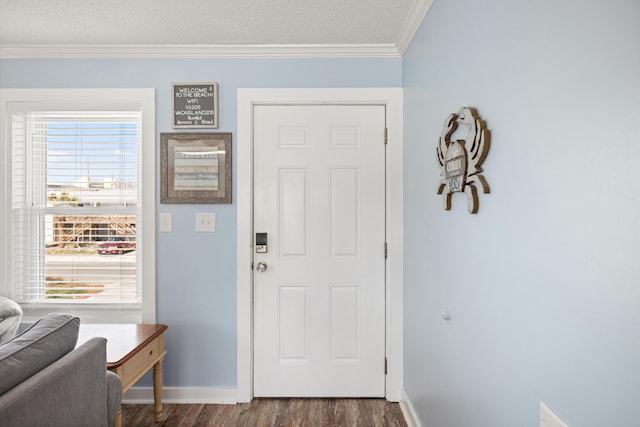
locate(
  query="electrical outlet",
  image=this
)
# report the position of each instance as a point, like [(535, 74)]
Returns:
[(165, 222), (206, 222), (548, 418)]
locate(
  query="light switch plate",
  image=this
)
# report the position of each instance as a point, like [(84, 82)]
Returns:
[(165, 222), (206, 222), (548, 418)]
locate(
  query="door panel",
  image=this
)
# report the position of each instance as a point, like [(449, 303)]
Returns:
[(319, 194)]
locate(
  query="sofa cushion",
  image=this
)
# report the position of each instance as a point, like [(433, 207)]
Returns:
[(43, 343), (10, 315)]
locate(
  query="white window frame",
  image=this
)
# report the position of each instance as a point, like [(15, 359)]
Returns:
[(86, 99)]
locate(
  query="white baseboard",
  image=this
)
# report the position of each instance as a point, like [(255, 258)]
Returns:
[(407, 410), (183, 395)]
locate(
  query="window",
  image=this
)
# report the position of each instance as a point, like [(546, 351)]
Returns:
[(80, 209)]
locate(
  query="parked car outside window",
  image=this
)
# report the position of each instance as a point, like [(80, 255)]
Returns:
[(117, 245)]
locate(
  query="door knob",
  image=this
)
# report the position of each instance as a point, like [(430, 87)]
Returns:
[(261, 267)]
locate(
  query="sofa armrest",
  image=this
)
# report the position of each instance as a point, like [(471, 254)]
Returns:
[(72, 391), (114, 396)]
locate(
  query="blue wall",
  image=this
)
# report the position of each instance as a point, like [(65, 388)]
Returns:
[(543, 283), (196, 272)]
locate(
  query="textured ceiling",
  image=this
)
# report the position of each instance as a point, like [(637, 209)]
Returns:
[(96, 23)]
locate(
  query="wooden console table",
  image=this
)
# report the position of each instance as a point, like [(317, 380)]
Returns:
[(132, 349)]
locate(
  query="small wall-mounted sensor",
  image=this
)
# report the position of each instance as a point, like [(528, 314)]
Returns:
[(548, 418)]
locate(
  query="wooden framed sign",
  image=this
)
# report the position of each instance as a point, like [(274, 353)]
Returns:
[(195, 105), (195, 167)]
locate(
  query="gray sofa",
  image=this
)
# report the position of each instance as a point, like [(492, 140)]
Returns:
[(46, 381)]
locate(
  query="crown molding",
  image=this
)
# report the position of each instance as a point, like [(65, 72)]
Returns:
[(416, 15), (418, 11), (199, 51)]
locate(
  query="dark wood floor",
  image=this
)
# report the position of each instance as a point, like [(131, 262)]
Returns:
[(271, 412)]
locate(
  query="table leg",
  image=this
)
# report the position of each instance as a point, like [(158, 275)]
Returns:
[(117, 421), (157, 390)]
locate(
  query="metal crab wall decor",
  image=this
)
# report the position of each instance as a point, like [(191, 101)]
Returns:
[(460, 160)]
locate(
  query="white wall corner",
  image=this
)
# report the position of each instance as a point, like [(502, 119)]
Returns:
[(419, 9), (408, 411)]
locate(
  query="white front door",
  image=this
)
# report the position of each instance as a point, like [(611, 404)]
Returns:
[(319, 195)]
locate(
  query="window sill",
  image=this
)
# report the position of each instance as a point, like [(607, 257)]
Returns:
[(86, 314)]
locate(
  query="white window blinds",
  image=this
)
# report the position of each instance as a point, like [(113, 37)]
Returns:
[(76, 207)]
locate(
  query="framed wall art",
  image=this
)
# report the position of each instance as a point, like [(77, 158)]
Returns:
[(194, 105), (195, 167), (460, 160)]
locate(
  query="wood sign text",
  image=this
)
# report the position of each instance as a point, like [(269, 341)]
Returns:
[(195, 105)]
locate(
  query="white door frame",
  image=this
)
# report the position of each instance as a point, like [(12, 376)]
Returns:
[(392, 99)]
